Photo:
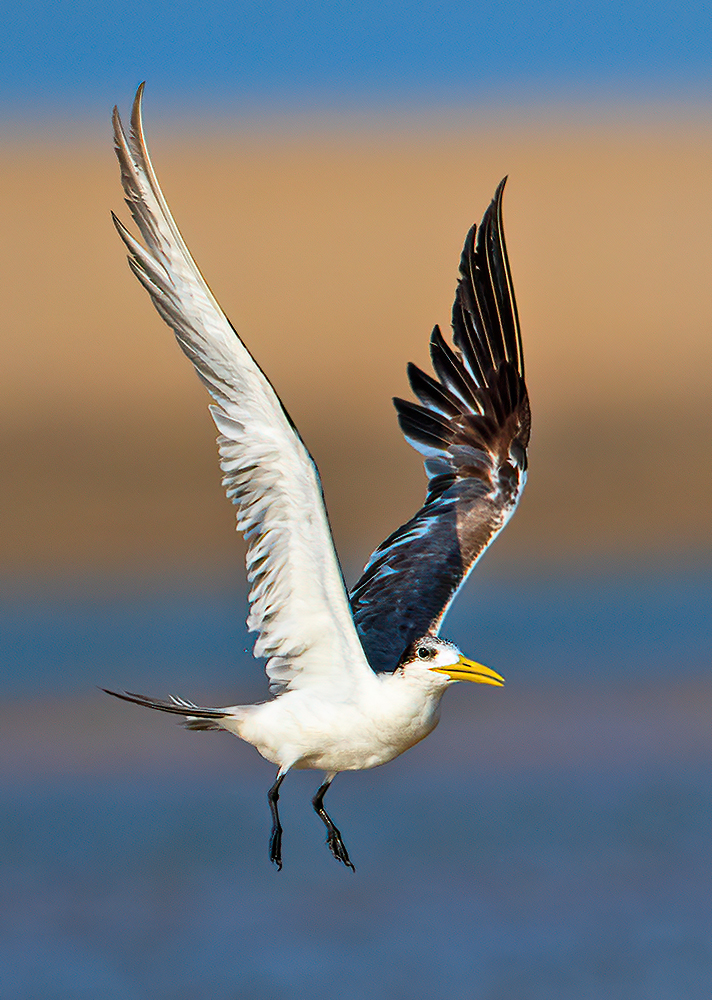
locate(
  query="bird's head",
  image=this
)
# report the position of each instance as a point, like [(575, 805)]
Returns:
[(436, 655)]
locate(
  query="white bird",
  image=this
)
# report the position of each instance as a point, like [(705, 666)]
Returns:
[(355, 682)]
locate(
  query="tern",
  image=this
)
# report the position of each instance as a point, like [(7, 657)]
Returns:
[(355, 680)]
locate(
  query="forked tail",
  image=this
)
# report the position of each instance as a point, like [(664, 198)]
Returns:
[(194, 717)]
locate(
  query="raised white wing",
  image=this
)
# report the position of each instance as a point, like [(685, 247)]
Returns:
[(298, 602)]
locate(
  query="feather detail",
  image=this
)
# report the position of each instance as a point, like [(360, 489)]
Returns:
[(298, 603), (472, 425)]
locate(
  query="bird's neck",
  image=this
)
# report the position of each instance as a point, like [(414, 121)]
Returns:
[(410, 704)]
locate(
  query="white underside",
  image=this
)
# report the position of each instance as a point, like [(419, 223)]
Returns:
[(302, 729)]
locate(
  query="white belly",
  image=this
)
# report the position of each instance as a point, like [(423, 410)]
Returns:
[(301, 730)]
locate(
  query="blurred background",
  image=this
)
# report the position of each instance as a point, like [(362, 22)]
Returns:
[(324, 163)]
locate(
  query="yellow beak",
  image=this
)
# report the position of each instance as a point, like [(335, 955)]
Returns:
[(468, 670)]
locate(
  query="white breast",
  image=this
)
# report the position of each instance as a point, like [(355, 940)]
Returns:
[(299, 729)]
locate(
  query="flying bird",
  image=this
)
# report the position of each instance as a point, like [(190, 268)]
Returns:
[(355, 681)]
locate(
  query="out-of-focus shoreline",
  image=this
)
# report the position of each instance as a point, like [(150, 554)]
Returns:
[(335, 255)]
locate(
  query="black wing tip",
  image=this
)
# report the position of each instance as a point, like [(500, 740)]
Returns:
[(485, 318), (493, 213), (407, 408), (494, 209), (436, 336), (481, 373)]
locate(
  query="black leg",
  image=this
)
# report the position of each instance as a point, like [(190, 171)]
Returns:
[(333, 837), (275, 838)]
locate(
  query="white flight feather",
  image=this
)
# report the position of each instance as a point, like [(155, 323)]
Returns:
[(298, 603)]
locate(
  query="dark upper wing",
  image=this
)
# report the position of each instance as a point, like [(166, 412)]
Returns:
[(473, 428)]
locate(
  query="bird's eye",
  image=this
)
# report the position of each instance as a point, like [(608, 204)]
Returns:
[(424, 653)]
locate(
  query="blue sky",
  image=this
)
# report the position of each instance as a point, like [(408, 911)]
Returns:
[(374, 54)]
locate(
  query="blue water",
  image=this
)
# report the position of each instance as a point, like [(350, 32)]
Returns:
[(536, 887), (537, 623), (550, 840)]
